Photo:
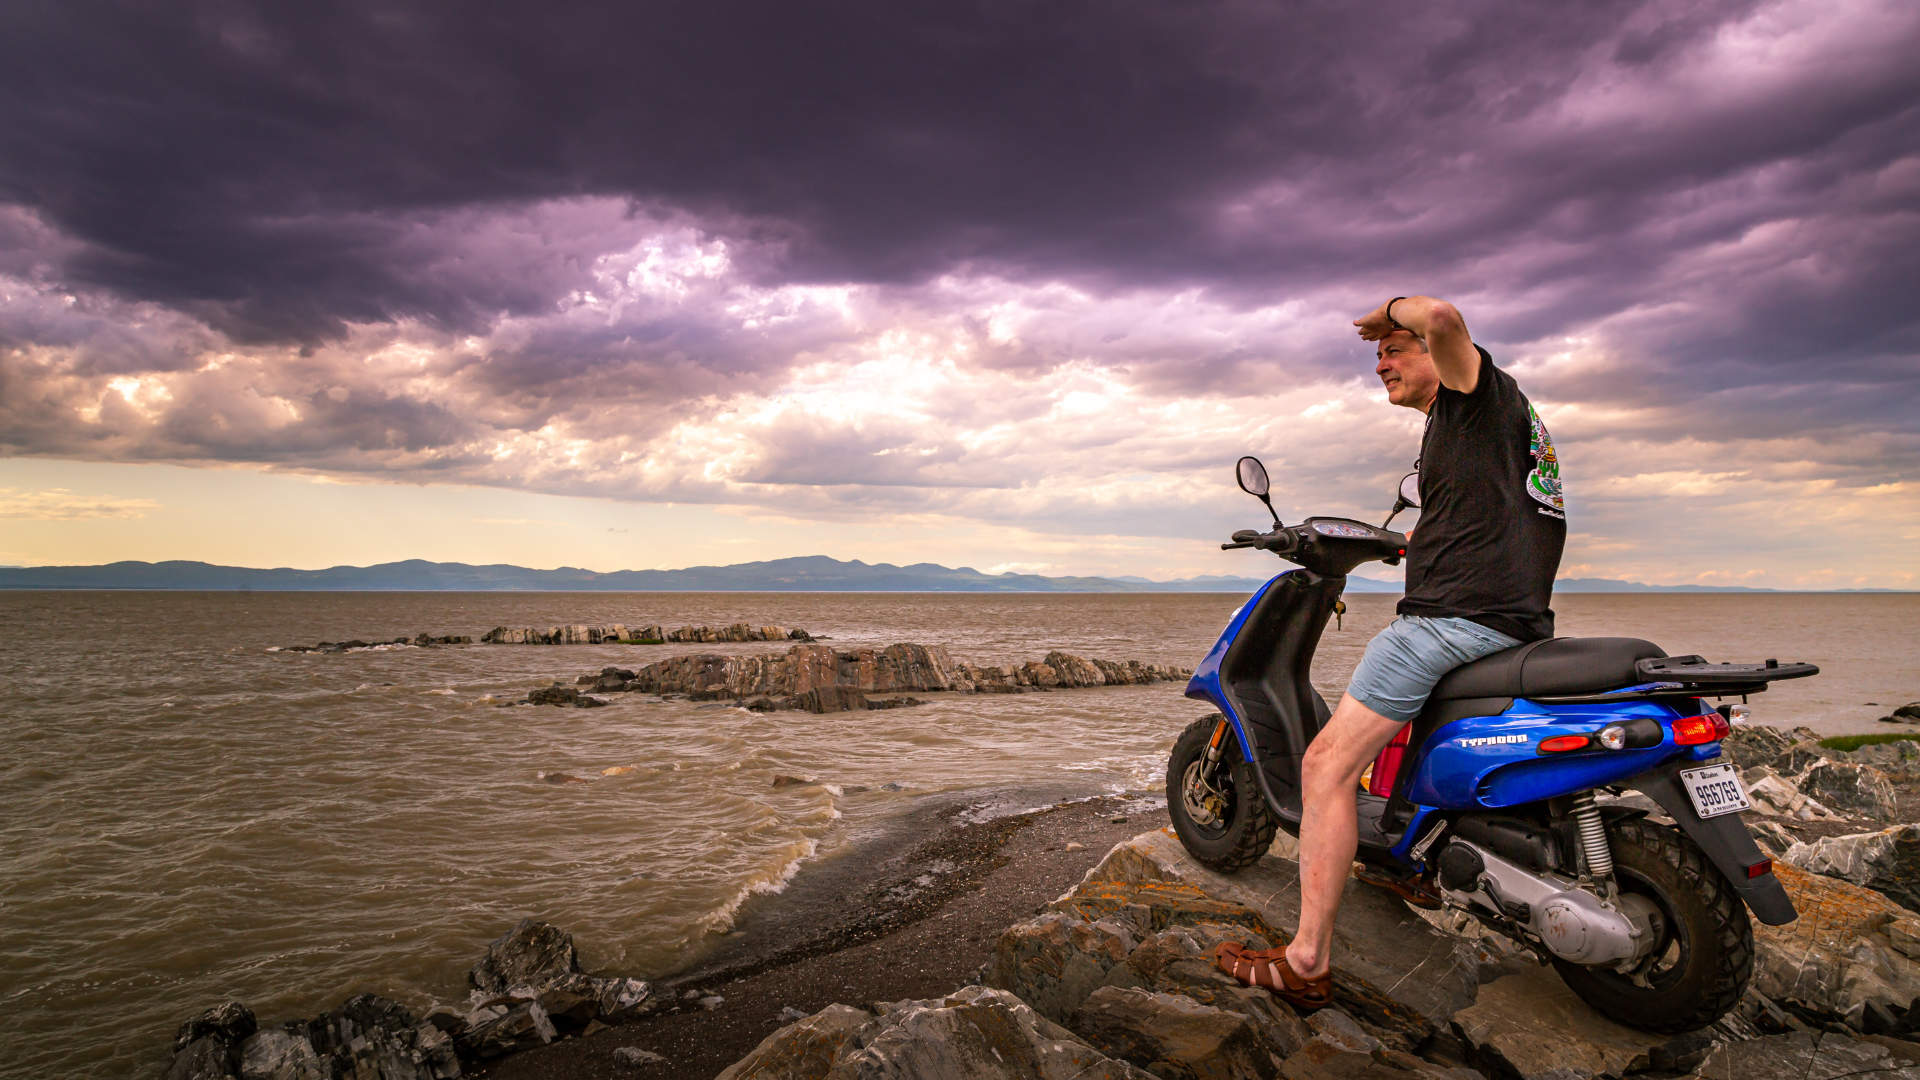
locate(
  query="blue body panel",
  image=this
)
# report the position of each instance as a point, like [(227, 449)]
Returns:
[(1456, 775), (1205, 684)]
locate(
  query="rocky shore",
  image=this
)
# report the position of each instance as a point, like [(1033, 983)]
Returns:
[(818, 678), (1110, 978)]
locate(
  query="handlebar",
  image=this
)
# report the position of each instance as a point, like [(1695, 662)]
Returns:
[(1280, 540)]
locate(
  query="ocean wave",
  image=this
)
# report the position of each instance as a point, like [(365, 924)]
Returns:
[(768, 883)]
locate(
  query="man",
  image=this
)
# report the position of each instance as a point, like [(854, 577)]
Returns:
[(1480, 571)]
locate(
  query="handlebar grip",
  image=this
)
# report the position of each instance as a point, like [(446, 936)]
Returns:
[(1246, 536), (1237, 544)]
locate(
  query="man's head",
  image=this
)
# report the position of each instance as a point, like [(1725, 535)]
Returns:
[(1406, 369)]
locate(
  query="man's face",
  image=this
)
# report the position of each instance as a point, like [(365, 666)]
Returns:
[(1406, 370)]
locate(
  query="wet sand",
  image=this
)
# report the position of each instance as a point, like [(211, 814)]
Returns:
[(910, 916)]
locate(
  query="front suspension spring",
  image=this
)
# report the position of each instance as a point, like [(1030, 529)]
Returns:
[(1593, 836)]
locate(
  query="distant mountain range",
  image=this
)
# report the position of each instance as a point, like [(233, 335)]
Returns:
[(813, 573)]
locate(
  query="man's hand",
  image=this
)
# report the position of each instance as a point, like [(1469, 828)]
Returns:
[(1375, 325)]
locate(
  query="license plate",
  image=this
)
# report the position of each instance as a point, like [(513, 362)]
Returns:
[(1715, 790)]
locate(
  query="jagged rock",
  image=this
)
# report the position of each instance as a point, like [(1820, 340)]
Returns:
[(975, 1032), (1342, 1030), (620, 998), (804, 1048), (1531, 1023), (1887, 861), (1773, 837), (1839, 959), (563, 695), (1807, 1055), (1775, 795), (635, 1057), (1905, 714), (1323, 1059), (533, 953), (1751, 745), (207, 1047), (1074, 671), (1855, 790), (366, 1036), (1378, 941), (1179, 960), (819, 678), (282, 1055), (826, 699), (497, 1030), (575, 634), (1053, 962), (1172, 1036), (1899, 759), (230, 1022)]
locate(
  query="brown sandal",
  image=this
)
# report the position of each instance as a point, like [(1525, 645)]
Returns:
[(1415, 891), (1268, 969)]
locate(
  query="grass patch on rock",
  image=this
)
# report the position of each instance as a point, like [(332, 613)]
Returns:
[(1855, 742)]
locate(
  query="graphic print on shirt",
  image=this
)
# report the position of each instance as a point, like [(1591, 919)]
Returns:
[(1543, 483)]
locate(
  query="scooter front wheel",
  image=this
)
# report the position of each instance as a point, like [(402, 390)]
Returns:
[(1221, 818)]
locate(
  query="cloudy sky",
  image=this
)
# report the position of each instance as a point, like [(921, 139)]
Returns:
[(1000, 283)]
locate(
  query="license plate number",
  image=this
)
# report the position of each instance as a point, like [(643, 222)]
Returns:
[(1715, 790)]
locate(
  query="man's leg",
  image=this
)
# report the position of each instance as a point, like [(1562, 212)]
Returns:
[(1330, 825)]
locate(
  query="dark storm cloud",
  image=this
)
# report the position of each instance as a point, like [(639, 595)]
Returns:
[(284, 170)]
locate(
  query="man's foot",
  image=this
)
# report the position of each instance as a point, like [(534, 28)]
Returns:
[(1268, 968), (1416, 891)]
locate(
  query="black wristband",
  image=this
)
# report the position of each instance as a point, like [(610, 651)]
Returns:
[(1390, 318)]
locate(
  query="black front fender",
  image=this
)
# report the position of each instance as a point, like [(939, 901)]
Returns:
[(1726, 842)]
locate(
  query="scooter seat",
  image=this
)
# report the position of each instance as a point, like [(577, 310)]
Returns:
[(1548, 667)]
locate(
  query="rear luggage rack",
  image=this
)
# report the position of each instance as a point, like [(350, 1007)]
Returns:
[(1688, 677), (1695, 672)]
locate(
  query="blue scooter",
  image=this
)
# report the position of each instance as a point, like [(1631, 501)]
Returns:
[(1492, 807)]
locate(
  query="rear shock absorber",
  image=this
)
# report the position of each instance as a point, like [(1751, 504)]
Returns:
[(1593, 837)]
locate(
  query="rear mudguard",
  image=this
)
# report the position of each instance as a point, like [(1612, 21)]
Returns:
[(1726, 842)]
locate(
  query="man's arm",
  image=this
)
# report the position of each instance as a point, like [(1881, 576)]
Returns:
[(1439, 322)]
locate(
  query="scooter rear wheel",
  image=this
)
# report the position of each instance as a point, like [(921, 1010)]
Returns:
[(1226, 824), (1702, 963)]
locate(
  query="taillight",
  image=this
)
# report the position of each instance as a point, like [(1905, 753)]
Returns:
[(1695, 730), (1560, 744)]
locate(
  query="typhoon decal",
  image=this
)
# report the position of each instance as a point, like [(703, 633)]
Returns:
[(1543, 483)]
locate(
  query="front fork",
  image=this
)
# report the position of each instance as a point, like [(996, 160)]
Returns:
[(1202, 793)]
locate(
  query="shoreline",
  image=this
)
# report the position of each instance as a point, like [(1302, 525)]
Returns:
[(907, 915)]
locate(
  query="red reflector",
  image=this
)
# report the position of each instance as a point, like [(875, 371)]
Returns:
[(1694, 730), (1560, 744), (1760, 869)]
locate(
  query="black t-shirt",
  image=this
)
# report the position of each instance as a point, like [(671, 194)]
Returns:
[(1492, 520)]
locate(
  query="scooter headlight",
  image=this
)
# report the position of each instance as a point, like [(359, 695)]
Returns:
[(1613, 737)]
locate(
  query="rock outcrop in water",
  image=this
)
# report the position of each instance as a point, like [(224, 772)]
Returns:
[(621, 634), (419, 641), (819, 678)]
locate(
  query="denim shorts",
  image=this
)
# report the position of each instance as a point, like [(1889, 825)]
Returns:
[(1405, 660)]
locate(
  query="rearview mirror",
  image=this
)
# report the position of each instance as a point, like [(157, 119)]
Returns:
[(1253, 480), (1409, 496), (1253, 476)]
